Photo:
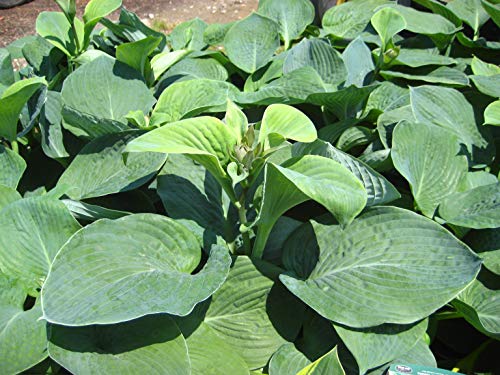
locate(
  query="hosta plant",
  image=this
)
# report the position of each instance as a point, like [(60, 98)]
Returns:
[(265, 196)]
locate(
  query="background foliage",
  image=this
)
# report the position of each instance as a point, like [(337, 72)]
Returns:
[(265, 196)]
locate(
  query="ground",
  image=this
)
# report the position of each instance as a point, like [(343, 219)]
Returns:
[(20, 21)]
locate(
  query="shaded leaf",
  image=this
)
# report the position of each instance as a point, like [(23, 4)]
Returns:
[(99, 168), (151, 344)]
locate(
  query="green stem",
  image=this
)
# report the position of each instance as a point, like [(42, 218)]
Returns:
[(14, 146), (77, 41), (447, 315), (242, 214)]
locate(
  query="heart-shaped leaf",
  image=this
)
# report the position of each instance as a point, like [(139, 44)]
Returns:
[(321, 56), (292, 16), (116, 89), (250, 43), (414, 150), (146, 258), (395, 257), (449, 109)]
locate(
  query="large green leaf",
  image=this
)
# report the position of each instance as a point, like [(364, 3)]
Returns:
[(449, 109), (292, 88), (113, 89), (242, 316), (99, 168), (292, 16), (144, 258), (94, 12), (345, 103), (415, 150), (309, 177), (205, 95), (12, 101), (150, 345), (250, 43), (372, 347), (55, 28), (386, 257), (12, 167), (206, 140), (379, 190), (23, 340), (478, 208), (321, 56), (471, 12), (215, 32), (480, 303), (423, 22), (416, 58), (191, 68), (32, 230), (287, 122), (349, 19), (443, 75)]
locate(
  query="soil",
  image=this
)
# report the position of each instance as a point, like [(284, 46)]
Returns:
[(161, 14)]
